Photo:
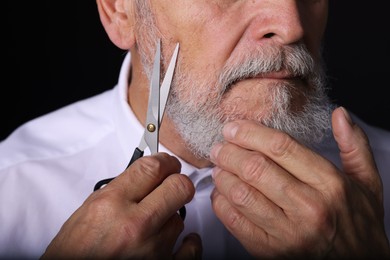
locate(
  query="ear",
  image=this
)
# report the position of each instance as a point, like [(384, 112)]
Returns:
[(118, 21)]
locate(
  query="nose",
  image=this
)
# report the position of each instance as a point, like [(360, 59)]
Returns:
[(279, 20)]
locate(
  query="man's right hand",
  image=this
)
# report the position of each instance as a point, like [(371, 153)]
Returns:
[(134, 216)]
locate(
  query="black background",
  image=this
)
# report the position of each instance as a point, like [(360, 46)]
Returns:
[(56, 52)]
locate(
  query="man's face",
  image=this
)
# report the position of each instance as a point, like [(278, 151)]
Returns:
[(257, 60)]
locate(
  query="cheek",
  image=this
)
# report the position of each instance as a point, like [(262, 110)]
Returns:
[(206, 32), (194, 87)]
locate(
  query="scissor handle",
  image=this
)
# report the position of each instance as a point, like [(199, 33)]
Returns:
[(101, 183), (138, 153)]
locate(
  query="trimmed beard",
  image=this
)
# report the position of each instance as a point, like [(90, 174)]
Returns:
[(200, 123), (200, 117)]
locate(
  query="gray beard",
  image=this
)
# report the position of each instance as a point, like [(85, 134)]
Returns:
[(199, 118), (200, 123)]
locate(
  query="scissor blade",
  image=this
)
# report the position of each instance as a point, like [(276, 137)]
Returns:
[(157, 96), (166, 84), (152, 123)]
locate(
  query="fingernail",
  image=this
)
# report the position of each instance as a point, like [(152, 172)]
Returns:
[(346, 115), (196, 247), (215, 151), (215, 172), (192, 236), (230, 130), (213, 193)]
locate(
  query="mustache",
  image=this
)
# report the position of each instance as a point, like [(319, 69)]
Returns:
[(295, 60)]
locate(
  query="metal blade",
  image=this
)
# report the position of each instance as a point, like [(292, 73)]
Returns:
[(152, 122), (166, 84)]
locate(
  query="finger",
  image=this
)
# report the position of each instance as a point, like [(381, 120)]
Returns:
[(145, 174), (261, 173), (245, 231), (175, 191), (294, 157), (355, 151), (191, 248), (250, 202), (167, 235)]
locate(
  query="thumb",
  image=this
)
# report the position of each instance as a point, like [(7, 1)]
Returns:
[(191, 248), (355, 151)]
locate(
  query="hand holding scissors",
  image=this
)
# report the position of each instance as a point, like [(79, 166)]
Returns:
[(134, 216), (156, 106)]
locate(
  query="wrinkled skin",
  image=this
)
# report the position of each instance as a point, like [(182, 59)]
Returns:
[(276, 196), (281, 199), (134, 216)]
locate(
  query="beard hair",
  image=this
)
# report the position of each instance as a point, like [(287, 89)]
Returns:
[(200, 123), (199, 118), (147, 34)]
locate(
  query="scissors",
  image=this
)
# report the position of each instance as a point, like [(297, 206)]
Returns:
[(156, 106)]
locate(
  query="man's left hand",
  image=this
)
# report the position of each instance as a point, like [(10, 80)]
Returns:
[(281, 199)]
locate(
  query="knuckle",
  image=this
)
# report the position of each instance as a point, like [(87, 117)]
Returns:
[(315, 228), (255, 166), (181, 185), (136, 226), (149, 166), (322, 221), (101, 203), (282, 145), (128, 229), (234, 219), (133, 230), (224, 155), (337, 188), (241, 195), (244, 133)]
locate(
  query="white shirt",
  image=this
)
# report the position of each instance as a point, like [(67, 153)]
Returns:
[(50, 165)]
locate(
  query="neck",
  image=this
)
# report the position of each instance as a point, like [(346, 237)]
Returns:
[(138, 95)]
